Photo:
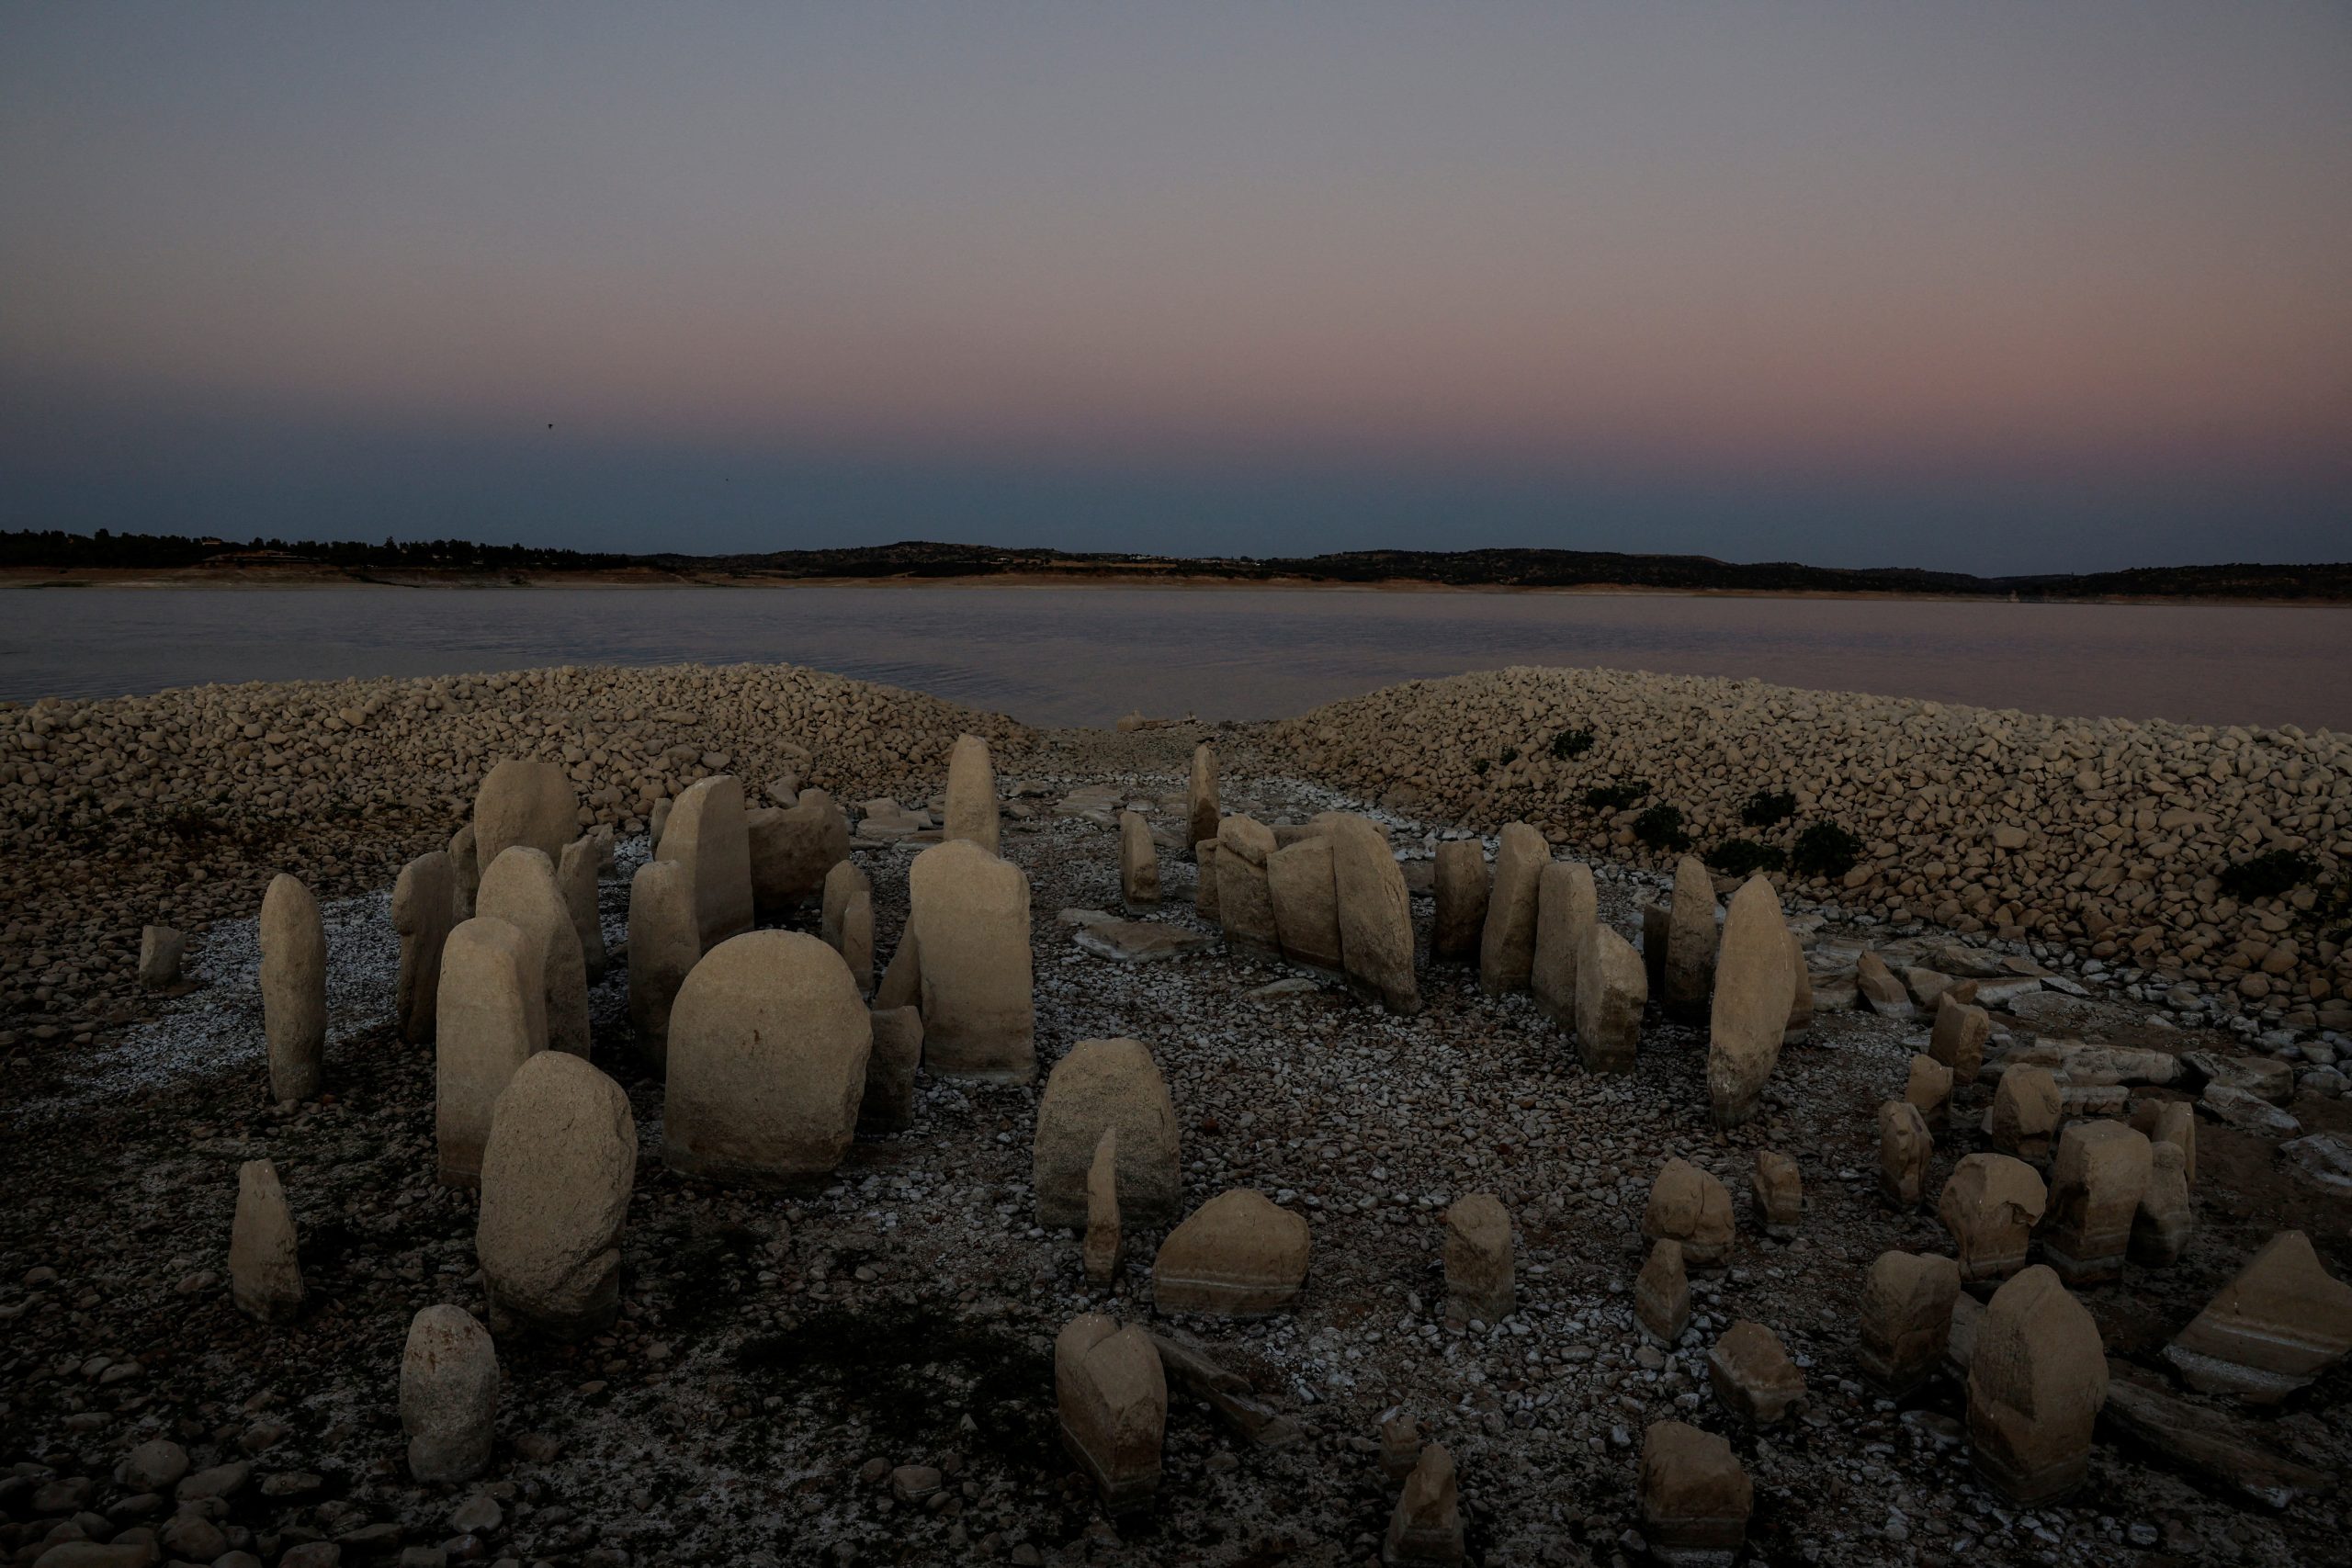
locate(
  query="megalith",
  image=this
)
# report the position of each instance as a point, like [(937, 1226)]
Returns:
[(1905, 1148), (1425, 1528), (2165, 1220), (1905, 1317), (293, 989), (465, 866), (1959, 1036), (1778, 1192), (664, 944), (1105, 1247), (1506, 942), (971, 794), (519, 887), (1929, 1086), (1566, 908), (486, 1029), (264, 1261), (1749, 1370), (1662, 1293), (1099, 1084), (1691, 937), (1990, 1205), (575, 877), (888, 1104), (424, 905), (448, 1394), (844, 881), (556, 1178), (2095, 1181), (1611, 991), (794, 850), (2035, 1385), (1751, 1009), (523, 803), (1480, 1281), (1110, 1397), (1690, 1206), (1375, 914), (707, 835), (970, 913), (1460, 918), (1236, 1255), (2278, 1326), (1695, 1498), (1201, 806), (1244, 903), (1138, 864), (2025, 1112), (857, 939), (1301, 888)]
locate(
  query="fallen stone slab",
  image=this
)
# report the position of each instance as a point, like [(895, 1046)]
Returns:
[(1138, 941), (2209, 1445), (2247, 1111), (2263, 1077), (1225, 1392), (2325, 1158), (2282, 1322)]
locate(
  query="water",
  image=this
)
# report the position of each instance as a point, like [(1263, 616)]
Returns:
[(1055, 656)]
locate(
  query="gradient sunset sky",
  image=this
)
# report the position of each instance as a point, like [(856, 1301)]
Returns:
[(1999, 286)]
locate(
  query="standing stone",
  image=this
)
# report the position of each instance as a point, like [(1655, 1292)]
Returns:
[(664, 944), (1461, 901), (448, 1395), (1905, 1319), (1691, 937), (265, 1264), (1800, 1023), (857, 940), (1400, 1446), (1751, 1374), (1567, 909), (1201, 796), (293, 990), (1480, 1279), (424, 905), (2025, 1114), (1612, 991), (1751, 1009), (530, 804), (1244, 902), (794, 850), (769, 1040), (1960, 1347), (709, 836), (1958, 1039), (161, 949), (484, 1032), (1905, 1148), (520, 888), (1236, 1255), (844, 882), (1990, 1205), (1138, 864), (2035, 1385), (1878, 989), (575, 877), (1112, 1397), (971, 794), (2171, 1121), (1662, 1293), (1305, 898), (656, 825), (1507, 944), (1205, 878), (901, 982), (2165, 1218), (465, 865), (1929, 1089), (1105, 1235), (1425, 1530), (2276, 1327), (1688, 1205), (970, 912), (1375, 914), (1779, 1195), (2094, 1187), (556, 1179), (1107, 1084), (888, 1104), (1695, 1497), (1658, 925)]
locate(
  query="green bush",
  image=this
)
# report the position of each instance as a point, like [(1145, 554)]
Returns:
[(1768, 806), (1571, 743), (2270, 875), (1615, 797), (1661, 827), (1746, 857), (1825, 850)]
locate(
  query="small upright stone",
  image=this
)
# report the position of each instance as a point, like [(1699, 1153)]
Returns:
[(293, 990), (1506, 942), (664, 944), (575, 877), (1612, 991), (1138, 864), (888, 1105), (709, 836), (1105, 1235), (2035, 1385), (1479, 1278), (1425, 1530), (1752, 1375), (2276, 1327), (1929, 1089), (1958, 1039), (1695, 1497), (844, 882), (1750, 1007), (161, 949), (1662, 1294), (2171, 1121), (1104, 1083), (485, 1030), (1204, 899), (794, 850), (556, 1179), (1688, 1205), (971, 794), (1375, 914), (465, 865), (1905, 1319), (1236, 1255), (2165, 1218), (1779, 1195), (2095, 1186), (448, 1395), (520, 888), (857, 940), (1201, 796), (1304, 890), (265, 1263), (1905, 1148), (1691, 934), (1400, 1446), (1461, 902), (1800, 1022), (523, 803), (1244, 903), (1566, 908), (1878, 989), (2025, 1114), (425, 908), (1112, 1397), (1990, 1205), (970, 914)]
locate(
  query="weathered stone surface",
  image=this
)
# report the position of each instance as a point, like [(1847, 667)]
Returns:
[(1695, 1497), (970, 912), (1691, 937), (1960, 1347), (1905, 1148), (1104, 1084), (2140, 1413), (664, 944), (1201, 796), (1566, 908), (1227, 1393), (2171, 1121), (556, 1179), (769, 1040), (448, 1395), (888, 1104), (1425, 1528), (972, 811), (1750, 1007), (160, 950), (1688, 1205), (2095, 1186), (794, 850), (465, 864), (843, 881), (520, 888), (1506, 942), (1959, 1036), (1236, 1255), (487, 1028), (1244, 902), (293, 990), (2025, 1114), (1657, 927), (1905, 1319), (265, 1263), (2279, 1325), (1461, 917), (1400, 1446), (1880, 990), (523, 803), (1375, 914), (1142, 941), (1138, 863), (1612, 991), (857, 940), (658, 822), (1779, 1193), (901, 982), (709, 836), (1800, 1022), (424, 907), (575, 876), (1111, 1396), (1480, 1281), (2035, 1385), (1751, 1373), (1990, 1205), (1662, 1293), (2163, 1220), (1304, 894), (1929, 1089), (1204, 899), (1105, 1244)]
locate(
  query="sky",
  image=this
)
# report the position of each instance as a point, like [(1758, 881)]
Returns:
[(1996, 287)]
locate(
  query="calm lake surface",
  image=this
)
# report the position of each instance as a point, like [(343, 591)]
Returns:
[(1055, 655)]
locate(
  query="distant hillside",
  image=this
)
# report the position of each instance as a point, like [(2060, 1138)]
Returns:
[(456, 560)]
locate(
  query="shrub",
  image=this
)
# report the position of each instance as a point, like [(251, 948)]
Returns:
[(2269, 874), (1825, 850), (1661, 827), (1510, 755), (1571, 743), (1746, 857), (1479, 766), (1616, 796), (1768, 806)]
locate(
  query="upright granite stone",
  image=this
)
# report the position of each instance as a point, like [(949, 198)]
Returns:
[(1905, 1319), (856, 946), (525, 803), (769, 1040), (293, 990), (2283, 1323), (448, 1395), (1507, 944), (1567, 909), (1105, 1245), (1688, 1205), (1111, 1393), (1461, 919), (265, 1262), (575, 877), (888, 1104), (1138, 864), (520, 888), (1691, 937), (556, 1179), (1204, 879), (1425, 1528), (1929, 1089), (1104, 1084), (486, 1030), (1480, 1281), (1305, 897), (2026, 1113), (1800, 1022), (1612, 991), (1878, 989), (901, 982), (844, 882), (794, 848), (1750, 1007), (2094, 1187), (465, 864), (1662, 1293), (1905, 1148), (1695, 1498), (2165, 1220), (970, 912), (1751, 1374), (664, 944), (2171, 1121), (2035, 1385), (1236, 1255), (1657, 926), (656, 824), (708, 837), (1244, 903), (1375, 916), (1779, 1194), (1990, 1205), (971, 794), (424, 907), (161, 949), (1958, 1039), (1201, 806)]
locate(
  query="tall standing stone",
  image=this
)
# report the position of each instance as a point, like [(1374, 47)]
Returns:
[(556, 1179), (424, 905), (465, 865), (1905, 1148), (843, 882), (664, 944), (1959, 1036), (2026, 1111), (1101, 1084), (1751, 1009), (794, 850), (1425, 1528), (575, 877), (2165, 1220), (1688, 1205), (1990, 1205), (1612, 991), (1480, 1281), (1111, 1394), (1201, 806), (1690, 937), (970, 913), (293, 989), (523, 803), (1244, 903), (971, 794), (520, 888), (1800, 1024), (486, 1031), (1905, 1317), (1305, 898), (2095, 1186), (768, 1047), (1662, 1293), (708, 837), (1461, 914), (264, 1261), (888, 1104), (2035, 1385), (1566, 908), (857, 939), (1204, 879), (448, 1395), (161, 949), (1138, 864), (1507, 944), (1695, 1498), (1375, 914), (1105, 1244), (2278, 1326)]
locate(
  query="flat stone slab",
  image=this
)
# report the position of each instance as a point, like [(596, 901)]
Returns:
[(1139, 942), (2325, 1158)]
